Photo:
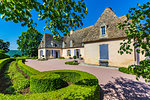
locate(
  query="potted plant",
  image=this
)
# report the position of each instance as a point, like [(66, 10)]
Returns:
[(70, 56), (80, 57), (74, 57)]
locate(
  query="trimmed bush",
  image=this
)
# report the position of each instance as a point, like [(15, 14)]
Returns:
[(18, 79), (125, 70), (84, 87), (42, 59), (61, 57), (45, 82), (3, 62), (2, 51), (26, 69), (71, 63), (3, 55), (81, 85), (74, 57)]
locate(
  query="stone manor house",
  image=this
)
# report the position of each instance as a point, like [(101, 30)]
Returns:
[(97, 44)]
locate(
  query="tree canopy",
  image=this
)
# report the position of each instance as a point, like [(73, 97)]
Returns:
[(137, 28), (29, 41), (59, 15), (4, 45)]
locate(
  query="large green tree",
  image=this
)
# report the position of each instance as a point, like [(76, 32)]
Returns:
[(59, 15), (4, 45), (137, 28), (29, 41)]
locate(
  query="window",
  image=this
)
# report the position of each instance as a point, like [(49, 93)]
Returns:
[(51, 52), (103, 30), (82, 44), (63, 45), (71, 43), (47, 52), (104, 54), (41, 53), (68, 52), (52, 44)]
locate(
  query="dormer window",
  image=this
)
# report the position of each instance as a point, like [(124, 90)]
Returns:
[(103, 30), (52, 44), (82, 44), (71, 43), (63, 45)]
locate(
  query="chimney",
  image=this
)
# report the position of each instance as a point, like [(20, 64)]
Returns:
[(71, 32)]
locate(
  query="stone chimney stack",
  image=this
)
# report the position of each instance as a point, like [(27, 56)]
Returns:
[(71, 32)]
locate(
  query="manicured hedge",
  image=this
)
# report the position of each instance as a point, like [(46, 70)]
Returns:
[(3, 62), (18, 80), (125, 70), (78, 79), (3, 55), (83, 86), (45, 82), (42, 59), (73, 92), (26, 69), (71, 63)]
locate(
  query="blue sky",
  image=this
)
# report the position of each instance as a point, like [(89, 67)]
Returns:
[(10, 31)]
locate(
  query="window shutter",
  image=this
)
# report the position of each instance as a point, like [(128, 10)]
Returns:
[(67, 53), (52, 52), (70, 52), (104, 51), (74, 52)]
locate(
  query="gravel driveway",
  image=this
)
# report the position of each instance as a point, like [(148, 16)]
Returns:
[(114, 85)]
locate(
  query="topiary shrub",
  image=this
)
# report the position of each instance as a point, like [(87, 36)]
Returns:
[(71, 63), (74, 57), (45, 82)]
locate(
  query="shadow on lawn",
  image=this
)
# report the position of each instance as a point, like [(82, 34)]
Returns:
[(125, 89)]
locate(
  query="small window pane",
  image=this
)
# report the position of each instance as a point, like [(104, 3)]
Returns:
[(103, 30)]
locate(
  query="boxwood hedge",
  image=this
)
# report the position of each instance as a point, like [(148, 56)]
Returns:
[(18, 80), (3, 62), (26, 69), (84, 86), (45, 82)]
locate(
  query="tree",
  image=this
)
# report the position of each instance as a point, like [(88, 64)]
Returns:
[(59, 15), (137, 28), (29, 41), (4, 45)]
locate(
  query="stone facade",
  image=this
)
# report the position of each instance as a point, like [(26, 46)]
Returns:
[(97, 44)]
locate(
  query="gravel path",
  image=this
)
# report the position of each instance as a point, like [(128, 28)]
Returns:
[(114, 85)]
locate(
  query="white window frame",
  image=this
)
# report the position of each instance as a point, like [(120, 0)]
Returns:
[(63, 45), (71, 43), (103, 25)]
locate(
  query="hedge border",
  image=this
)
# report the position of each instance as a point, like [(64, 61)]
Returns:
[(85, 86), (4, 61), (26, 69)]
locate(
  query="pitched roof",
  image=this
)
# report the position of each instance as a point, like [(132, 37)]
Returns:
[(91, 33), (77, 37), (111, 20), (47, 42)]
